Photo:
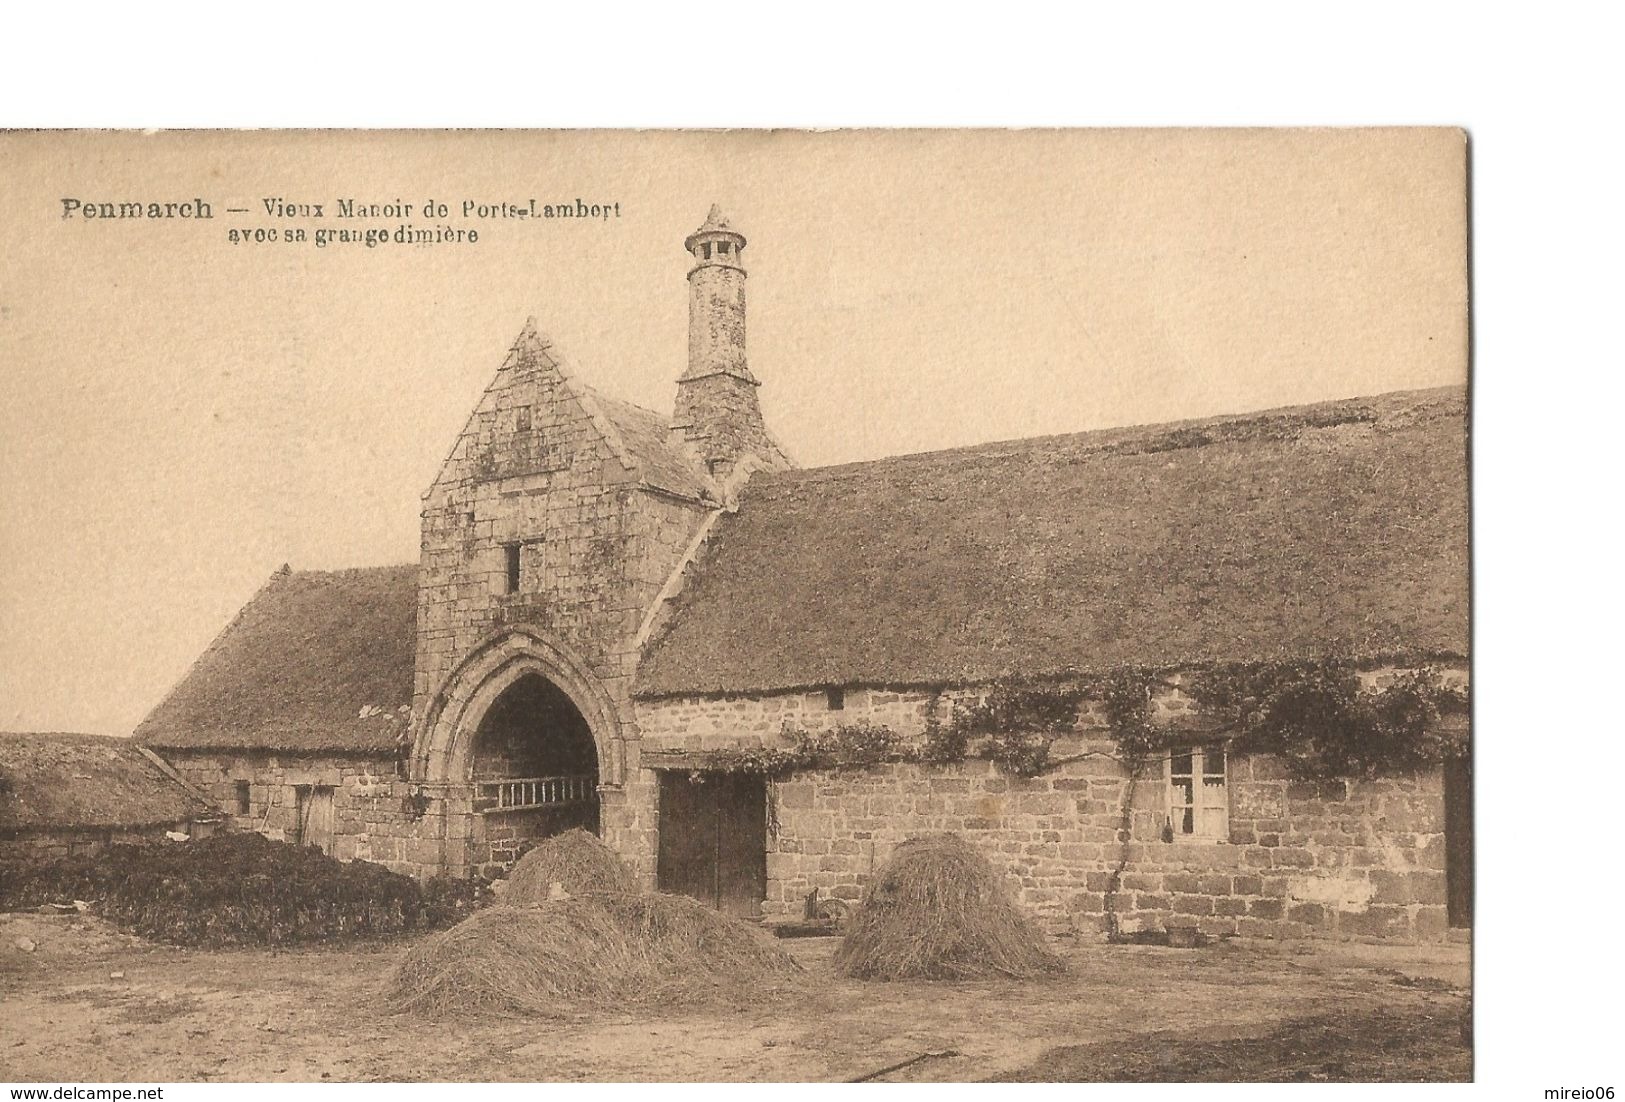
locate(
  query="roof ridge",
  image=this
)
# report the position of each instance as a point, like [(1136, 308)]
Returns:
[(1129, 433), (378, 567)]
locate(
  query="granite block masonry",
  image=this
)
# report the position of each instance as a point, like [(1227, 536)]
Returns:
[(1085, 844)]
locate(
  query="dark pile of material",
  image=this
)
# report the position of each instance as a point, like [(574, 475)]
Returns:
[(938, 910), (238, 889), (576, 861), (562, 956)]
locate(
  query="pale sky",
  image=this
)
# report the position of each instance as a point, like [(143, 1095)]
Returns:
[(184, 415)]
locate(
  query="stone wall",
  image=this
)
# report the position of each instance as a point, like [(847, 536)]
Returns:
[(1342, 859), (1357, 860), (372, 813), (55, 842)]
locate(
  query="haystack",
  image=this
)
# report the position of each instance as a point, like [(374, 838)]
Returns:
[(575, 860), (565, 955), (938, 910)]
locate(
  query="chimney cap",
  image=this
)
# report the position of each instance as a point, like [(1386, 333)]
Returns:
[(716, 225)]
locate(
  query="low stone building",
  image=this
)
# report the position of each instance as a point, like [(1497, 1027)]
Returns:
[(62, 795), (295, 719), (754, 680)]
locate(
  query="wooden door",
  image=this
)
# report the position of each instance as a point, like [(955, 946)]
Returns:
[(1458, 841), (313, 805), (713, 839)]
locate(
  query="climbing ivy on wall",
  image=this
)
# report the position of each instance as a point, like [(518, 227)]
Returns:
[(1317, 718), (1013, 724), (846, 746), (1017, 723)]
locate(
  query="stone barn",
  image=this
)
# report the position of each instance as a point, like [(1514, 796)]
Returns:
[(67, 794), (1211, 673)]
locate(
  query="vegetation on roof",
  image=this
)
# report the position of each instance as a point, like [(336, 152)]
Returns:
[(87, 781), (317, 661), (1334, 529)]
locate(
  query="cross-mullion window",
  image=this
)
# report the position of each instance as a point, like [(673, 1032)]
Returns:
[(1198, 801)]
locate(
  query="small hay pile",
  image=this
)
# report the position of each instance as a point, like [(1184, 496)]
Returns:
[(555, 957), (938, 910), (576, 860)]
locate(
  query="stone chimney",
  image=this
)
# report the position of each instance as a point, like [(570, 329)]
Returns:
[(717, 410)]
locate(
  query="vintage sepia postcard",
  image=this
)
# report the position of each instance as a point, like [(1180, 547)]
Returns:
[(770, 606)]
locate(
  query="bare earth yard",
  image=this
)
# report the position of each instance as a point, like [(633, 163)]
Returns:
[(90, 1004)]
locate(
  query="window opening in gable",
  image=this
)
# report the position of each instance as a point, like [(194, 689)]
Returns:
[(511, 563)]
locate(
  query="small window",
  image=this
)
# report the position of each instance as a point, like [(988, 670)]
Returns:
[(836, 698), (722, 248), (511, 559), (706, 250), (713, 467), (1198, 800), (521, 419), (243, 805)]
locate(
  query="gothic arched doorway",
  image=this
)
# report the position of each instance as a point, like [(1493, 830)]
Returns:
[(533, 768)]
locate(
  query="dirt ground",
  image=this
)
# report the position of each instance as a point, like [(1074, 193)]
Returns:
[(89, 1004)]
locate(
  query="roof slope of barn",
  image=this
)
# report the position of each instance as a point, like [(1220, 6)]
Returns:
[(86, 781), (1338, 528), (318, 660)]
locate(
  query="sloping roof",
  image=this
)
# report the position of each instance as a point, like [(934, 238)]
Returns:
[(318, 660), (63, 781), (661, 463), (1338, 528)]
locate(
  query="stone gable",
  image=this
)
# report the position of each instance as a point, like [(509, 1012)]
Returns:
[(540, 468)]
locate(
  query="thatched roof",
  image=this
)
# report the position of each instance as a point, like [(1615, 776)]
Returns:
[(66, 781), (1338, 528), (318, 660)]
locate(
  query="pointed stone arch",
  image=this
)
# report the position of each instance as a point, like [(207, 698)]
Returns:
[(441, 753)]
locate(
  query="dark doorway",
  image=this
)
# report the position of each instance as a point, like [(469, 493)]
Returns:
[(713, 839), (1458, 841), (535, 769)]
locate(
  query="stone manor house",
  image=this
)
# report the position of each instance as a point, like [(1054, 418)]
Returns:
[(615, 608)]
